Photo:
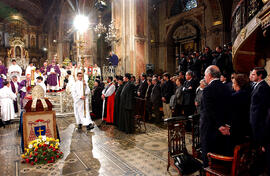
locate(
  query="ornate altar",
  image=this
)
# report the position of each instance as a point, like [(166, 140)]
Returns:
[(17, 51)]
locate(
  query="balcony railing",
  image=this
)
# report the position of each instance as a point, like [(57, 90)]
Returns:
[(243, 13)]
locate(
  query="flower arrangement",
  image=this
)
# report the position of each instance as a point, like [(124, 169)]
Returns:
[(91, 81), (42, 150)]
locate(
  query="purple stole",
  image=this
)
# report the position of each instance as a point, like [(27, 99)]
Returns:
[(14, 91)]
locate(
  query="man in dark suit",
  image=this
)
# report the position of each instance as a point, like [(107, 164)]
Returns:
[(259, 109), (143, 86), (188, 90), (156, 99), (215, 115), (167, 92)]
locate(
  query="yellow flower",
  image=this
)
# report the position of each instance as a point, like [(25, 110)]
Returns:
[(23, 156), (57, 140), (56, 147), (40, 137), (51, 145), (27, 150)]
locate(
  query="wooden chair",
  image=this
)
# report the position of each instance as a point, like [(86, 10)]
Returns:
[(196, 142), (139, 114), (238, 164), (176, 139)]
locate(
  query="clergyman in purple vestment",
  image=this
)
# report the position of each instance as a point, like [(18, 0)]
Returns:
[(53, 73), (3, 69), (14, 87)]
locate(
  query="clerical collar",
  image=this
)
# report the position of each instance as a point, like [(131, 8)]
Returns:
[(213, 80)]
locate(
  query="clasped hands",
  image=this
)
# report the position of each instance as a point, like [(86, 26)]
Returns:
[(103, 97), (225, 130)]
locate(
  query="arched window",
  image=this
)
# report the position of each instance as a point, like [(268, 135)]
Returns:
[(180, 6)]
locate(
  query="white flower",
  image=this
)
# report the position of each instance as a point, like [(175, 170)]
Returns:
[(44, 138), (30, 146), (38, 141), (57, 143), (47, 142)]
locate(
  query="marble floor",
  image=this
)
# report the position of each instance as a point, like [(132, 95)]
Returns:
[(102, 151)]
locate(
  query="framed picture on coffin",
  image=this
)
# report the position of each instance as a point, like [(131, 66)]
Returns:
[(38, 123)]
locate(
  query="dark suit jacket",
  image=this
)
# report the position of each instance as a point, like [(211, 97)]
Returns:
[(156, 95), (240, 128), (189, 94), (215, 112), (142, 88), (167, 90), (260, 104)]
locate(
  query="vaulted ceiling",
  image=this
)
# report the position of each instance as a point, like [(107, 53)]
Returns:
[(33, 11)]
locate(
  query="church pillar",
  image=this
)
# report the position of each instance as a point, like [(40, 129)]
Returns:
[(60, 52), (267, 68), (131, 17)]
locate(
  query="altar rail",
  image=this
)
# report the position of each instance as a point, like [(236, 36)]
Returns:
[(111, 71)]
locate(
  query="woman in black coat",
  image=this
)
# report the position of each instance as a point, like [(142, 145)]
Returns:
[(240, 130), (97, 102)]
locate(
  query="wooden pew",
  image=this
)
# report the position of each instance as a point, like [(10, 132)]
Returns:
[(177, 146), (139, 112), (196, 142), (238, 164)]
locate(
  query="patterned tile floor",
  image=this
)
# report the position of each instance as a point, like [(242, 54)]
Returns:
[(102, 151)]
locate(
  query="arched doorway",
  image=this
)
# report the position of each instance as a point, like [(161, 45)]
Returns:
[(184, 37)]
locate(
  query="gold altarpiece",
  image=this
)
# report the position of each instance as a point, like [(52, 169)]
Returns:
[(17, 51)]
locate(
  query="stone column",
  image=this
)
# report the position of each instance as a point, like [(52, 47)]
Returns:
[(267, 68), (131, 17)]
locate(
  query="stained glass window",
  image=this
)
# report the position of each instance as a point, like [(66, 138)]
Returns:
[(190, 4), (183, 6)]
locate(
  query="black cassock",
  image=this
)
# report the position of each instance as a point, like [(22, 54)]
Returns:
[(126, 119), (97, 102), (116, 112)]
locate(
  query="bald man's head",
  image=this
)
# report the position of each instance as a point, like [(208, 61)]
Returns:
[(212, 72)]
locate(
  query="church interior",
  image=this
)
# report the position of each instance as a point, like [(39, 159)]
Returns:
[(148, 37)]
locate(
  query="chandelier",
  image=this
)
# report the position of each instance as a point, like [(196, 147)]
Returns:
[(100, 27), (111, 36)]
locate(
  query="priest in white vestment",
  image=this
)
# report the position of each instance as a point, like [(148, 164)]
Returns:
[(29, 69), (63, 76), (81, 103), (96, 71), (14, 70), (71, 82), (6, 100)]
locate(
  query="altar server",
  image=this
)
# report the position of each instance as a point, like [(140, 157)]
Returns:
[(81, 103)]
